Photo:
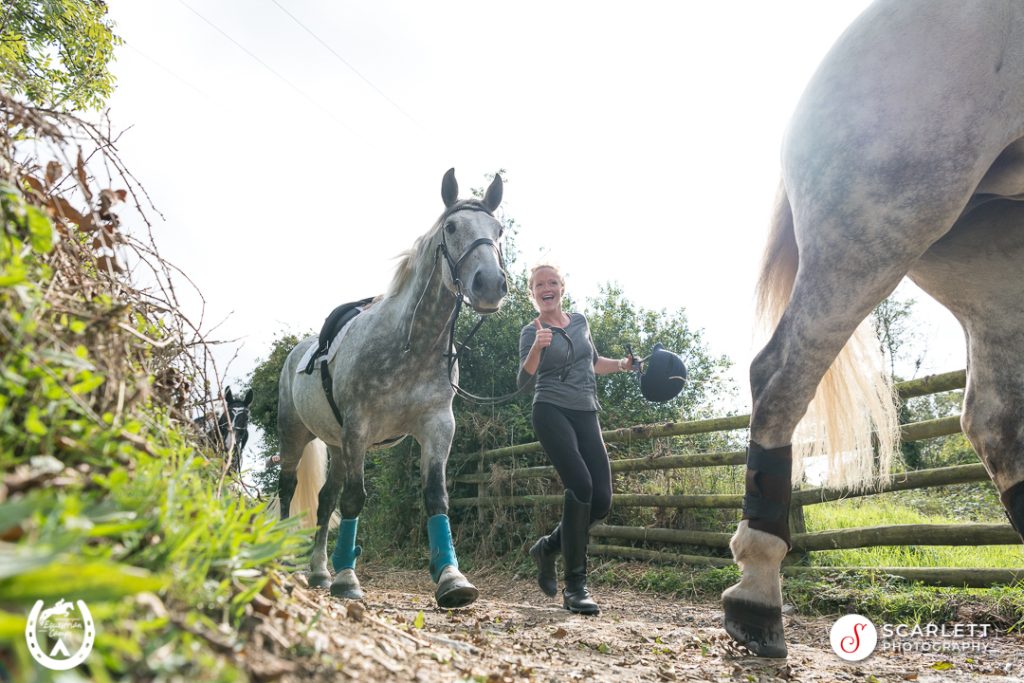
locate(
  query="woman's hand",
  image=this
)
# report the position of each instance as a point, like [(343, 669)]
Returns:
[(543, 338), (627, 363), (532, 362)]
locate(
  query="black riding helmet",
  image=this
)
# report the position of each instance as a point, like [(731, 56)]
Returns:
[(663, 375)]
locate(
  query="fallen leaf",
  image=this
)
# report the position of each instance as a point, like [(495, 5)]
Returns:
[(419, 620), (355, 611), (559, 633)]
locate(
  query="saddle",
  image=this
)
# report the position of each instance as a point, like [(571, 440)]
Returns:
[(338, 318)]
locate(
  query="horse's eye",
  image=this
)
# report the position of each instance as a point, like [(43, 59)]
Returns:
[(450, 228)]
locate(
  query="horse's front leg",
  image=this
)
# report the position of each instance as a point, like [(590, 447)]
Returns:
[(353, 496), (453, 589)]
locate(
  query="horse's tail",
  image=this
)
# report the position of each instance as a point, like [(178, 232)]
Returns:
[(852, 419), (310, 474)]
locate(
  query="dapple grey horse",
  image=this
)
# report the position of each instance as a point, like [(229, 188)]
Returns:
[(389, 376), (905, 156)]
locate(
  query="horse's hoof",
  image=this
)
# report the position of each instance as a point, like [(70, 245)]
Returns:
[(318, 580), (346, 586), (355, 593), (454, 590), (756, 627)]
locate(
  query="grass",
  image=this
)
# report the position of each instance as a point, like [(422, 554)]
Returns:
[(881, 597), (896, 509)]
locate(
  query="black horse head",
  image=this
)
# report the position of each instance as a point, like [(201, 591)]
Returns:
[(230, 432), (233, 427)]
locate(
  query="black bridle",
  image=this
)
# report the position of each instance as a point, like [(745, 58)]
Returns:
[(458, 348), (235, 422), (455, 349)]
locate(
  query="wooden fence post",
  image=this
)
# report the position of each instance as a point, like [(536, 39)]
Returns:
[(797, 525)]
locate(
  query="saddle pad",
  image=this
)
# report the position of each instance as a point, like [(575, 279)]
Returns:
[(331, 351)]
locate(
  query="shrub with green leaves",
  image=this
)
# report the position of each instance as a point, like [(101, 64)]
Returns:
[(105, 494), (56, 53)]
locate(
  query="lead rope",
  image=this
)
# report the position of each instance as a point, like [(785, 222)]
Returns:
[(563, 371)]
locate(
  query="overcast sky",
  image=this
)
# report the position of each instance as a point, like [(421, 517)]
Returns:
[(295, 147)]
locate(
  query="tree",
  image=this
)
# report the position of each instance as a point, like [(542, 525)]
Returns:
[(263, 380), (896, 334), (617, 323), (56, 53)]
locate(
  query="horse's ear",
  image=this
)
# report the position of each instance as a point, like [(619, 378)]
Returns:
[(227, 394), (449, 188), (247, 399), (493, 197)]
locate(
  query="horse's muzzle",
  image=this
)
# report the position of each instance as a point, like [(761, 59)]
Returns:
[(487, 291)]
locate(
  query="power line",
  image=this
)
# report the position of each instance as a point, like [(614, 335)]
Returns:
[(169, 71), (346, 63), (266, 66)]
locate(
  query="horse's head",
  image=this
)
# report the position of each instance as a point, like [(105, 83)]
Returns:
[(234, 425), (469, 237)]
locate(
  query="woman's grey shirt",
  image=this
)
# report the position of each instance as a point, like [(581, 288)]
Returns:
[(579, 389)]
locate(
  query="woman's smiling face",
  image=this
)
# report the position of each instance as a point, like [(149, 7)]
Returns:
[(547, 290)]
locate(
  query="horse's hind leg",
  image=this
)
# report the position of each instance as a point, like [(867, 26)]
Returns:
[(319, 574), (976, 273), (453, 588), (993, 410), (838, 283)]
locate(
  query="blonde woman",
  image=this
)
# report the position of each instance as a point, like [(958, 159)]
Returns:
[(557, 353)]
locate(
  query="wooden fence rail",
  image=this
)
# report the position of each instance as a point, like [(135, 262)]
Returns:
[(958, 577), (803, 542), (933, 384), (840, 539)]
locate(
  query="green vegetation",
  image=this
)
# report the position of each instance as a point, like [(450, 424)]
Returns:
[(898, 508), (880, 597), (105, 494), (56, 53)]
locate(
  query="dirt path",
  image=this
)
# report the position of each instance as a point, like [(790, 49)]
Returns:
[(513, 633)]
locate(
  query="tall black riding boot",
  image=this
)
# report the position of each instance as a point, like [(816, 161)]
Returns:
[(544, 552), (575, 534)]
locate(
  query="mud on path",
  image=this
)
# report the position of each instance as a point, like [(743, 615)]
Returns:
[(514, 633)]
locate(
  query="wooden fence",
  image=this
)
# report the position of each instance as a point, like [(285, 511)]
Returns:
[(902, 534)]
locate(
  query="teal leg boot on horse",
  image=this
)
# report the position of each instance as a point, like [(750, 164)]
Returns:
[(345, 584), (453, 589)]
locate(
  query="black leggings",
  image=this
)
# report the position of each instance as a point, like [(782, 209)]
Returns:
[(572, 440)]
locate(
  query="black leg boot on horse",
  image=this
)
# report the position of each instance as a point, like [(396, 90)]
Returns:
[(575, 534), (544, 552), (765, 511)]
